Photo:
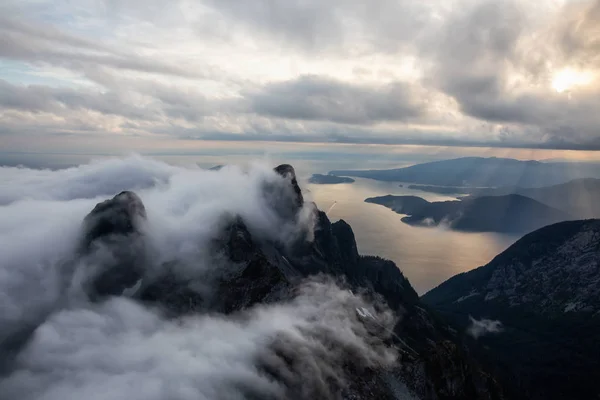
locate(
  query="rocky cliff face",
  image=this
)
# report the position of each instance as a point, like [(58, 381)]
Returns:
[(545, 292), (393, 348)]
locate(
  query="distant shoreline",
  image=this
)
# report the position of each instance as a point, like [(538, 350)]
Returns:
[(320, 179)]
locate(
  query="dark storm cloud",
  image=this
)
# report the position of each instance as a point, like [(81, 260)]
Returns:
[(317, 98)]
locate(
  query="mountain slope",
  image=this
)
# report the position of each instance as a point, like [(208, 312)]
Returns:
[(545, 290), (579, 197), (510, 213), (478, 171), (315, 319)]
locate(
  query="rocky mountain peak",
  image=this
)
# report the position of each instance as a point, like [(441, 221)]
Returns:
[(389, 346), (112, 232), (120, 215)]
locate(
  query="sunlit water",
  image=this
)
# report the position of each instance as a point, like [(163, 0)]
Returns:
[(427, 256)]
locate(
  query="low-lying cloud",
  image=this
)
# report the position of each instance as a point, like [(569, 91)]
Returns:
[(478, 328), (99, 178), (123, 349)]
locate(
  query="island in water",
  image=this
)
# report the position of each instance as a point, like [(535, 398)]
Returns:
[(321, 179), (506, 214)]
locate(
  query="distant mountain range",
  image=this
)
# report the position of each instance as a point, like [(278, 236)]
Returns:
[(445, 189), (482, 172), (541, 297), (329, 179), (579, 197), (510, 213)]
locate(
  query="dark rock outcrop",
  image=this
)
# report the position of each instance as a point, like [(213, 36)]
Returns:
[(288, 172), (118, 216), (112, 232)]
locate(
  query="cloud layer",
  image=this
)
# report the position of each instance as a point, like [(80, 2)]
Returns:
[(122, 349), (506, 73)]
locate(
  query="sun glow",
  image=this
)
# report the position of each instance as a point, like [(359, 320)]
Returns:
[(566, 79)]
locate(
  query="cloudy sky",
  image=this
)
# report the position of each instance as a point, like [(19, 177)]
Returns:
[(441, 72)]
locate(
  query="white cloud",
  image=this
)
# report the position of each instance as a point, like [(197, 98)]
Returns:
[(185, 206), (190, 69), (482, 327), (124, 350), (100, 178)]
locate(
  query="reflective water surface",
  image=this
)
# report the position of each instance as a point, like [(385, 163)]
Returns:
[(427, 256)]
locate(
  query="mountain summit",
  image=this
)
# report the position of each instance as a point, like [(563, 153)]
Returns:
[(300, 315)]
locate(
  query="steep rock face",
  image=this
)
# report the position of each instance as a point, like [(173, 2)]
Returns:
[(288, 199), (113, 231), (120, 215), (545, 290), (252, 271)]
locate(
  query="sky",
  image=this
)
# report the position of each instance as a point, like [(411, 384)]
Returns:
[(113, 74)]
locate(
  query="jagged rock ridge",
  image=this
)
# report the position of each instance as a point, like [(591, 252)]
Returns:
[(429, 362)]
